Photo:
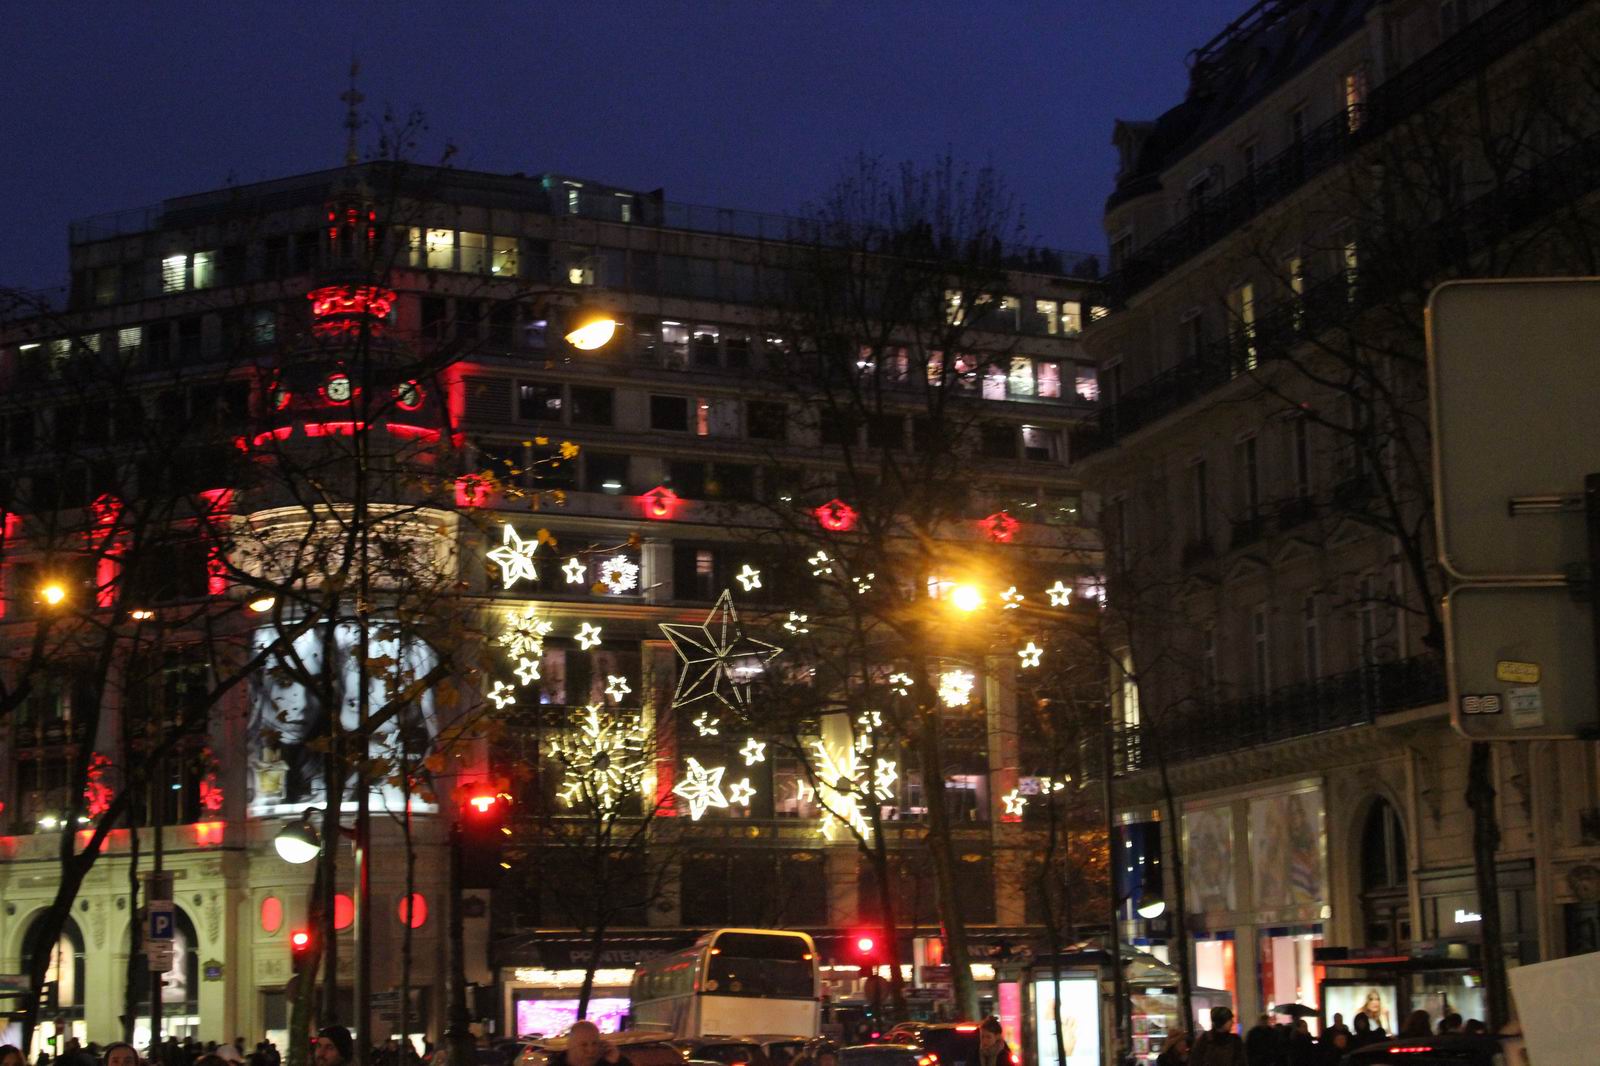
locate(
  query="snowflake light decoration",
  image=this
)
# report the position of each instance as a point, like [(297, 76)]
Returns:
[(524, 633), (527, 671), (588, 636), (702, 787), (955, 687), (617, 687), (574, 571), (719, 661), (748, 577), (619, 574), (821, 565), (707, 724), (1015, 801), (1060, 595), (602, 760), (845, 786), (502, 695), (754, 751), (901, 683), (741, 792), (1030, 655), (1011, 599), (514, 557), (797, 622)]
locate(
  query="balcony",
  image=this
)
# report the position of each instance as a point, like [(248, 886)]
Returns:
[(1357, 697), (1500, 30)]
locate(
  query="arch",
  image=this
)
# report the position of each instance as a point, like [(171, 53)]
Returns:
[(181, 983), (68, 963), (1382, 873)]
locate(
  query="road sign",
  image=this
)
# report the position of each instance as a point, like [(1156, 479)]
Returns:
[(160, 955), (162, 921)]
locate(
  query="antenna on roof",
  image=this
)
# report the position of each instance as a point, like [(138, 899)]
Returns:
[(352, 117)]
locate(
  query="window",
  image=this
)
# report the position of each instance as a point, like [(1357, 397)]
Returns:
[(1193, 328), (591, 406), (736, 350), (1208, 658), (1248, 153), (1297, 125), (535, 333), (994, 382), (128, 341), (1086, 383), (1300, 446), (674, 345), (1047, 379), (669, 413), (1242, 308), (605, 473), (716, 417), (205, 269), (1250, 476), (504, 261), (1311, 636), (1046, 316), (705, 349), (538, 403), (1260, 662), (1199, 502), (694, 573), (1020, 381), (1040, 444), (1350, 262), (1367, 620), (1121, 248), (1071, 318), (436, 247), (1355, 97), (765, 420), (175, 273), (998, 441), (474, 252), (1295, 274)]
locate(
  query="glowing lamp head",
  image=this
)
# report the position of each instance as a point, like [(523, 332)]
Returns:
[(298, 842), (262, 604), (594, 333), (865, 944), (966, 597), (1154, 909), (53, 593)]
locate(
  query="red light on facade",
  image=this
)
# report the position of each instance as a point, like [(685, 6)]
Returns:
[(208, 834), (660, 503), (331, 429), (836, 516), (271, 914), (413, 910), (210, 793), (1000, 527), (280, 434), (406, 432), (337, 308), (96, 793), (344, 911), (471, 491)]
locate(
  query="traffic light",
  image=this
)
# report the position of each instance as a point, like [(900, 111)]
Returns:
[(485, 831), (301, 943), (864, 946)]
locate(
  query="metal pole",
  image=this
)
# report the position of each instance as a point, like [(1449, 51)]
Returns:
[(458, 1037), (1119, 998), (1591, 507)]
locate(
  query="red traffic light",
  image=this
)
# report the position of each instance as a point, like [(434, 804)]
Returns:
[(483, 803), (299, 940), (865, 944)]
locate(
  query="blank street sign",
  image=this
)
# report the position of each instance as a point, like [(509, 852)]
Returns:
[(1521, 662)]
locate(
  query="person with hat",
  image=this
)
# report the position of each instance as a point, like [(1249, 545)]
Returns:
[(1219, 1045), (335, 1046)]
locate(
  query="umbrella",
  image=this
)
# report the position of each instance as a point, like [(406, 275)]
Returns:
[(1295, 1010)]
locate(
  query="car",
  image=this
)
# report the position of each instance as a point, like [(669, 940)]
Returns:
[(781, 1050), (887, 1055), (641, 1047), (728, 1050), (955, 1043), (1446, 1049)]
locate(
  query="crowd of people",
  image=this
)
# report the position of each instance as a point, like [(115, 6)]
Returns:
[(334, 1047), (1291, 1043)]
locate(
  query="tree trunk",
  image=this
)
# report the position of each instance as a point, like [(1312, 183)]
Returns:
[(328, 863), (303, 1007), (879, 857), (130, 1008), (596, 939), (942, 851), (1485, 843), (1180, 902)]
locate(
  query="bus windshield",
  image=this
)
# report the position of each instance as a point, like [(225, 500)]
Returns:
[(754, 964)]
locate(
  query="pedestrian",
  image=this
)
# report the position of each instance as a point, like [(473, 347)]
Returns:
[(1333, 1046), (1337, 1025), (1417, 1024), (11, 1055), (1302, 1049), (1219, 1045), (118, 1054), (1176, 1051), (1261, 1044), (1365, 1032), (273, 1058), (992, 1049), (1474, 1027), (585, 1047), (335, 1047), (1450, 1023)]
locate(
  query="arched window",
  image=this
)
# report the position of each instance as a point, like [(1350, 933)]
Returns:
[(1385, 878), (66, 965), (180, 985)]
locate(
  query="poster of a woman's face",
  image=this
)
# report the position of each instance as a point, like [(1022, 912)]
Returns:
[(1374, 1001)]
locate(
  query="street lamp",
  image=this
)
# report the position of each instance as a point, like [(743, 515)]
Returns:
[(298, 842), (594, 333), (1154, 909), (967, 598), (53, 593)]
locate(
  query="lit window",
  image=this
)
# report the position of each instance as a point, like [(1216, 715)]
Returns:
[(574, 199), (1096, 312), (1010, 311), (129, 339), (1047, 377), (174, 273), (1040, 444), (1072, 318), (474, 252), (994, 383), (952, 307), (1355, 97), (205, 269), (1020, 381), (264, 325), (1086, 383), (505, 257), (438, 249)]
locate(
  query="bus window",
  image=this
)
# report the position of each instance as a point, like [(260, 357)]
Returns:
[(746, 964)]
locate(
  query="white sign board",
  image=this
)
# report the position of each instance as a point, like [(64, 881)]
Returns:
[(1555, 1003)]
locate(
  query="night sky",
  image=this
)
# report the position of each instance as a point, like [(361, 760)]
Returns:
[(755, 104)]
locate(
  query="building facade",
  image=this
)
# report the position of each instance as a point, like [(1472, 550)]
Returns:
[(1261, 464)]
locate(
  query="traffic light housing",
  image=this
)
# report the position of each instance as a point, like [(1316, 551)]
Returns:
[(485, 819), (302, 945)]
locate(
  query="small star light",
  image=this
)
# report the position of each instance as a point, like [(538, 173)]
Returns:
[(955, 687), (754, 751), (707, 724), (901, 683), (514, 557), (797, 622), (502, 695), (884, 777), (702, 787), (619, 574), (1011, 599), (1030, 655), (820, 564), (749, 577), (575, 571), (527, 670), (617, 687), (1014, 801), (741, 792), (864, 584), (1060, 595), (719, 661), (524, 633), (588, 636), (869, 720)]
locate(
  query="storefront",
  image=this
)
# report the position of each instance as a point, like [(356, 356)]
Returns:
[(539, 997), (1388, 988)]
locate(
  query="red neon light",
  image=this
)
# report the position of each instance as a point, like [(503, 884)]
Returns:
[(482, 803), (413, 910), (660, 503), (281, 433), (344, 911), (219, 502), (865, 944), (331, 429), (406, 432), (216, 572), (96, 793), (105, 509), (271, 914), (1000, 527), (836, 516), (207, 834), (341, 301), (210, 793)]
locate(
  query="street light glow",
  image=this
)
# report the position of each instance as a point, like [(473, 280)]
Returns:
[(298, 843), (595, 333), (262, 604), (52, 593), (966, 597), (1153, 909)]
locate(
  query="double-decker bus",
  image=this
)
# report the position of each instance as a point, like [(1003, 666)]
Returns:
[(732, 981)]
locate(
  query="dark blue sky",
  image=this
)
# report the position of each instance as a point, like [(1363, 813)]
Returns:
[(754, 104)]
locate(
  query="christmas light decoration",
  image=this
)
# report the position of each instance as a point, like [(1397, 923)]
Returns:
[(1015, 801), (820, 564), (514, 557), (617, 687), (719, 661), (1030, 655), (749, 577), (863, 743), (575, 571), (864, 584), (660, 503), (602, 760), (707, 724), (901, 683), (754, 751), (702, 787), (524, 632), (1060, 595), (741, 792), (588, 636), (797, 622), (845, 787), (502, 695), (1000, 527), (869, 721), (527, 671), (1011, 599), (619, 574), (836, 516), (884, 775), (955, 687)]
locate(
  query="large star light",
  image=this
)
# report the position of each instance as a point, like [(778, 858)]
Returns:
[(719, 661), (502, 695), (588, 635), (702, 787), (754, 751), (514, 557), (1015, 801), (741, 792), (602, 760), (1030, 655), (527, 671), (749, 578)]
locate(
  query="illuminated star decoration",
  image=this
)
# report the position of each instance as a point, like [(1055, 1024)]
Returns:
[(527, 671), (901, 683), (602, 760), (1060, 595), (864, 584), (588, 636), (740, 792), (1030, 655), (707, 724), (524, 633), (749, 577), (754, 751), (820, 564), (869, 720), (502, 694), (702, 787), (719, 661), (1014, 801), (514, 557), (797, 622), (617, 687), (575, 571), (955, 687), (845, 787), (1011, 599), (619, 574)]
